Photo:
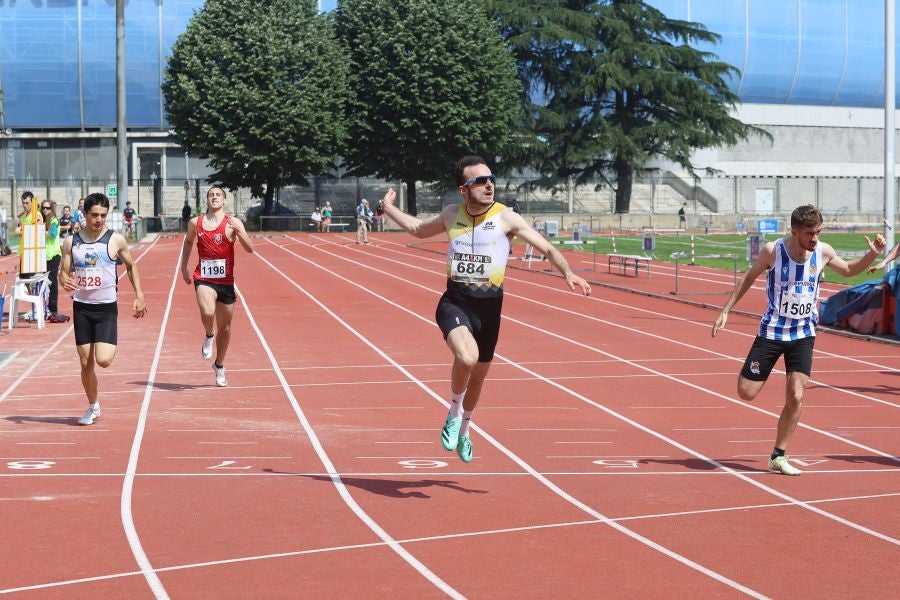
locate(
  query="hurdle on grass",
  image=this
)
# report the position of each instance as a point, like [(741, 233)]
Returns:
[(679, 256)]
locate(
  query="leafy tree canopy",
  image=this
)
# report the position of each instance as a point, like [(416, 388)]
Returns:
[(259, 87), (432, 80), (615, 83)]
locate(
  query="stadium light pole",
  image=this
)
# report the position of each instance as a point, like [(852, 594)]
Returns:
[(890, 89), (121, 138)]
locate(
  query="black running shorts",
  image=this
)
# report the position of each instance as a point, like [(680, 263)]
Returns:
[(95, 323), (225, 294), (480, 315), (765, 352)]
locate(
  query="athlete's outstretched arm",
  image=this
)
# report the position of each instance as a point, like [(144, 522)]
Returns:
[(765, 261), (414, 225), (515, 224), (186, 249), (65, 268), (139, 306), (857, 266), (892, 255)]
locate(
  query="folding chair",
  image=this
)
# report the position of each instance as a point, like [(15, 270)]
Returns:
[(32, 290)]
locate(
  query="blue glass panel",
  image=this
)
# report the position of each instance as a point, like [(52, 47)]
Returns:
[(142, 64), (864, 74), (99, 63), (772, 58), (726, 18), (38, 49), (821, 52)]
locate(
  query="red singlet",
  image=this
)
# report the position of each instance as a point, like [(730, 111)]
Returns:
[(216, 254)]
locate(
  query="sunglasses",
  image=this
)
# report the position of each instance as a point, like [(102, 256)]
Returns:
[(46, 207), (480, 180)]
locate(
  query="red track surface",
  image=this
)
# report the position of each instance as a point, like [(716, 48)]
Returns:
[(612, 458)]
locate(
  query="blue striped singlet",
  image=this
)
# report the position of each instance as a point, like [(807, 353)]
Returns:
[(792, 290)]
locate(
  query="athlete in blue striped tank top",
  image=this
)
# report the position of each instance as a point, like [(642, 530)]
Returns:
[(788, 327), (479, 229)]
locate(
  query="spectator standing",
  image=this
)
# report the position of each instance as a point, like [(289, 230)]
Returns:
[(514, 205), (379, 216), (54, 255), (185, 215), (78, 220), (363, 220), (25, 218), (326, 217), (129, 214), (65, 223), (682, 217)]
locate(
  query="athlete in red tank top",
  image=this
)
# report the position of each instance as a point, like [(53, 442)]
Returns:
[(216, 264), (213, 279)]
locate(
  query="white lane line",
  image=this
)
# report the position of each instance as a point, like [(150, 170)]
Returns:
[(496, 443), (78, 430), (134, 540), (562, 429), (336, 480), (229, 443), (582, 442), (45, 443), (231, 430), (449, 536), (217, 408)]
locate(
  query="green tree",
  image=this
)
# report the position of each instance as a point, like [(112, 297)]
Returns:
[(259, 87), (432, 80), (617, 83)]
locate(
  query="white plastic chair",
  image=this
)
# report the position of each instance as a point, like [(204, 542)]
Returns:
[(21, 292)]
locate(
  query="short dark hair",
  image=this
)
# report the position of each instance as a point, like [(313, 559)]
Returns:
[(27, 195), (463, 163), (806, 215), (216, 187), (95, 199)]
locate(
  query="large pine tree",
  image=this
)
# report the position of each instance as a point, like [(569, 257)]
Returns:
[(613, 84)]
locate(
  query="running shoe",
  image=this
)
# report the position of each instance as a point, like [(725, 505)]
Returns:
[(55, 317), (220, 376), (780, 463), (450, 433), (90, 415), (207, 347), (464, 448)]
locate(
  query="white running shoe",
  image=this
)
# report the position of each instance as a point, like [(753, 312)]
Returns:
[(781, 463), (220, 376), (90, 415), (207, 347)]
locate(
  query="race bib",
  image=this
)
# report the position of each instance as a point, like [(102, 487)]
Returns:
[(796, 305), (212, 268), (470, 268), (89, 278)]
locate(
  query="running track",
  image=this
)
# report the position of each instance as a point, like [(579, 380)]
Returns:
[(612, 458)]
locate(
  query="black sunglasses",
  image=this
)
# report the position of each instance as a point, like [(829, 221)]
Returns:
[(480, 180), (46, 207)]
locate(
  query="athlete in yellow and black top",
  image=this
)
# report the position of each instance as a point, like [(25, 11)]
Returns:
[(479, 229)]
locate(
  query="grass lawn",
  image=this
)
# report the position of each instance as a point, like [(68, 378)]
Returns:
[(722, 246)]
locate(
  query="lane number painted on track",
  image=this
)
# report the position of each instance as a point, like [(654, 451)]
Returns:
[(617, 463), (29, 465), (422, 464)]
